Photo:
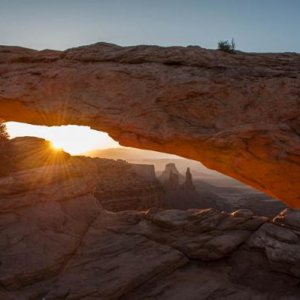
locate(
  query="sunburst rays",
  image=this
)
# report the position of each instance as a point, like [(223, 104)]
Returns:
[(72, 139)]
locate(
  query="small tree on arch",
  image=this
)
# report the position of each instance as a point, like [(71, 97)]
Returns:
[(4, 136)]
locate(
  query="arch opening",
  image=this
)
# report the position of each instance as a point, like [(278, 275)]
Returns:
[(205, 188), (71, 138), (205, 106)]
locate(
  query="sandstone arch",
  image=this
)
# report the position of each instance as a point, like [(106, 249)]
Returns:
[(236, 113)]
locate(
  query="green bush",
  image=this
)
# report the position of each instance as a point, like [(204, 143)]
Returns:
[(227, 46)]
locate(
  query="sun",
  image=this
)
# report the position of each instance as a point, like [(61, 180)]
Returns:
[(72, 146), (55, 147), (72, 139)]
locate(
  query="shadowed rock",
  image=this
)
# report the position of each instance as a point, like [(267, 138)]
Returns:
[(57, 242), (188, 184)]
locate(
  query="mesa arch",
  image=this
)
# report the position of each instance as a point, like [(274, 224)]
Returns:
[(236, 113)]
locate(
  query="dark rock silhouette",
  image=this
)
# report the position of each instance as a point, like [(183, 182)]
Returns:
[(173, 182), (182, 194), (188, 184), (166, 174), (128, 186)]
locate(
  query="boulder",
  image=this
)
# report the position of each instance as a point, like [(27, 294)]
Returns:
[(289, 217), (280, 243), (205, 234)]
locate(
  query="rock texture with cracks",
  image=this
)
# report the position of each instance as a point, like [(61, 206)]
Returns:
[(57, 242), (236, 113)]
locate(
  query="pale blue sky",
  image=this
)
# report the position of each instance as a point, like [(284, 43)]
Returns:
[(256, 25)]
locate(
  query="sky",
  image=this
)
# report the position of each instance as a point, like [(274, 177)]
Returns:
[(73, 139), (256, 26)]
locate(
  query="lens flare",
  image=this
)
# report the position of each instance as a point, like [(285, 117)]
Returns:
[(72, 139)]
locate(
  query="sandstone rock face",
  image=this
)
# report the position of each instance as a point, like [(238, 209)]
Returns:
[(45, 176), (57, 242), (38, 173), (24, 153), (200, 234), (289, 217), (281, 242), (124, 186), (145, 171), (73, 249), (238, 114), (168, 172)]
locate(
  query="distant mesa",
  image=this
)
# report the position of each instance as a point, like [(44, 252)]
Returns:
[(128, 154), (188, 184), (172, 179), (171, 171)]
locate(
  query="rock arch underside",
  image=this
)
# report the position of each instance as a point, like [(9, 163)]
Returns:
[(236, 113)]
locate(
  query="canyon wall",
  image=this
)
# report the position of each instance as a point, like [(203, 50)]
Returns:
[(236, 113), (124, 186), (31, 170)]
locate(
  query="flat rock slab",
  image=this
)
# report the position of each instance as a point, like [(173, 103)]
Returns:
[(108, 266), (203, 281)]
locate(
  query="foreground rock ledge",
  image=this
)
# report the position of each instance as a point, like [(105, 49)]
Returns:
[(57, 242), (236, 113)]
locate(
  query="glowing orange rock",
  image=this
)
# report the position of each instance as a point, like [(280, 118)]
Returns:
[(236, 113)]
